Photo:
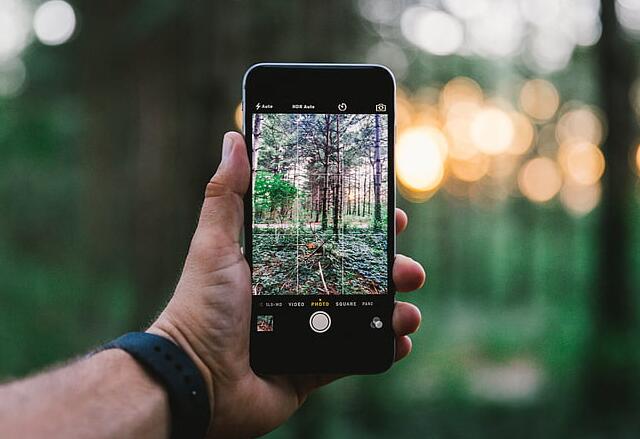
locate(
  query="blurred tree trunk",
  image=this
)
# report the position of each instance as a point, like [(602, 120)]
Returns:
[(159, 94), (160, 82), (107, 97), (611, 372)]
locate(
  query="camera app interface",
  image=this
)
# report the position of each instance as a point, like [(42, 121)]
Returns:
[(320, 195)]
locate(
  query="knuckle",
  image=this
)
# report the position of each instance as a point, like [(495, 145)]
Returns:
[(216, 188)]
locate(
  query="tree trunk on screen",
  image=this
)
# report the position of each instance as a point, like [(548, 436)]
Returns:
[(325, 183), (257, 124), (377, 177), (358, 177), (348, 196), (368, 194), (337, 200), (317, 205)]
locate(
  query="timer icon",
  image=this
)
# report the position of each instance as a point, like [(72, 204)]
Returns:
[(342, 106)]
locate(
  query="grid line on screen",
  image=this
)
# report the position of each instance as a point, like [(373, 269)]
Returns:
[(342, 195)]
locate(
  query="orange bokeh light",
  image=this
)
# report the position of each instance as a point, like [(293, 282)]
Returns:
[(580, 124), (492, 130), (582, 162), (539, 99), (460, 89), (578, 199), (523, 135), (539, 179), (238, 117), (420, 156), (470, 170)]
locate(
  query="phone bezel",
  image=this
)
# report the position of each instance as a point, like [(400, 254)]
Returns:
[(363, 78)]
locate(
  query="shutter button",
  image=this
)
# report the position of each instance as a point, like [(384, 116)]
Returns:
[(320, 321)]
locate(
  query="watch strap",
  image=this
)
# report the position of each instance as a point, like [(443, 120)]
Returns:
[(174, 369)]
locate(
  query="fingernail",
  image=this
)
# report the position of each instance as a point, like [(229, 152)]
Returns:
[(227, 145)]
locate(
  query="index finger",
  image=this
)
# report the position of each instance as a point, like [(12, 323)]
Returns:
[(401, 220)]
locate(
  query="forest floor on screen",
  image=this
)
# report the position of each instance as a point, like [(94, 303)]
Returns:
[(319, 203)]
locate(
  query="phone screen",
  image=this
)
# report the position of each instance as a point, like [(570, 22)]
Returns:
[(320, 223)]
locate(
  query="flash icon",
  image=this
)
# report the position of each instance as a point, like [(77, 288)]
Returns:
[(258, 106)]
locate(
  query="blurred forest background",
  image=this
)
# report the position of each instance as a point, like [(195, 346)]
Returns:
[(517, 161)]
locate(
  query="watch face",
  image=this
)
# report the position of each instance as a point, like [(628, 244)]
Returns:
[(319, 220)]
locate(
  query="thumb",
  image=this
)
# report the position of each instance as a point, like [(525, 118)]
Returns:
[(222, 212)]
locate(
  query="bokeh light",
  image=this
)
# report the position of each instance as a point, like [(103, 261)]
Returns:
[(582, 162), (578, 199), (238, 117), (420, 156), (539, 99), (498, 31), (523, 134), (425, 114), (466, 9), (638, 159), (470, 170), (501, 167), (549, 50), (14, 28), (488, 142), (436, 32), (458, 128), (539, 179), (585, 22), (460, 90), (580, 124), (541, 12), (404, 110), (54, 22), (628, 13), (542, 33), (492, 130)]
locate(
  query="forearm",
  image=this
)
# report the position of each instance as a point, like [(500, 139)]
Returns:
[(108, 395)]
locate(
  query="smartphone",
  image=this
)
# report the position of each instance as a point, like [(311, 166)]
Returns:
[(320, 217)]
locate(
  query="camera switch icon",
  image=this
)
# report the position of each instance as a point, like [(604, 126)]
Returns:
[(381, 108)]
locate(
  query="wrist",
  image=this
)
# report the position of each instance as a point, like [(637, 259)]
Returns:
[(165, 329), (168, 362), (144, 413), (134, 376)]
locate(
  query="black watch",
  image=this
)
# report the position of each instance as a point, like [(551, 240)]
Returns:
[(174, 369)]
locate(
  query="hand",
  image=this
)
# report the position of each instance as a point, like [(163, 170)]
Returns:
[(210, 311)]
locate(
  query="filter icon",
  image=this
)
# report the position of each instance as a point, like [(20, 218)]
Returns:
[(376, 323)]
